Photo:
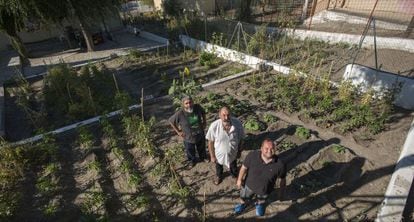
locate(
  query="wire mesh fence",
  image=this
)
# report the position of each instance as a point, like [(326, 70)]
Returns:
[(309, 55), (372, 18), (395, 18)]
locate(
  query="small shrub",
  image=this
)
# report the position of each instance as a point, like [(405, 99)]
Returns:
[(135, 54), (302, 132), (269, 118), (286, 145), (208, 59), (253, 124)]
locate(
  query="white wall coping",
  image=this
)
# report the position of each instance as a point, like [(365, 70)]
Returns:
[(14, 61), (398, 189)]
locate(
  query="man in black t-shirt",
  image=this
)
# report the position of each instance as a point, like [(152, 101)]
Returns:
[(259, 172), (189, 123)]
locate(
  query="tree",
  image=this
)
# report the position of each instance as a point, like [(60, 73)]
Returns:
[(13, 14), (86, 11), (244, 12)]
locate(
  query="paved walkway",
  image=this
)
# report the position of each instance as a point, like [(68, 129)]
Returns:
[(52, 52)]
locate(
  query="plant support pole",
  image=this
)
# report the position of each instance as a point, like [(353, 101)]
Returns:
[(142, 104), (375, 44)]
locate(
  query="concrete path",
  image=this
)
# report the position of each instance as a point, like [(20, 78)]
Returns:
[(123, 41)]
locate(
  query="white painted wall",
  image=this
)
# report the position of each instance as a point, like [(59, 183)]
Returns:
[(366, 78)]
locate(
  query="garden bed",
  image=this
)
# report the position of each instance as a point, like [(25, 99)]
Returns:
[(100, 88), (340, 147)]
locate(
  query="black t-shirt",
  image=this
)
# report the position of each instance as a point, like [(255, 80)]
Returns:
[(261, 177), (190, 123)]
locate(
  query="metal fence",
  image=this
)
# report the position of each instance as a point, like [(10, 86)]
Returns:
[(394, 17)]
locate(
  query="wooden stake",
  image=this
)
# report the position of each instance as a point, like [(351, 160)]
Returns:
[(116, 83), (204, 201), (142, 104)]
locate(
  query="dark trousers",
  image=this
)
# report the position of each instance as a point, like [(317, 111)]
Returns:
[(190, 150), (233, 169)]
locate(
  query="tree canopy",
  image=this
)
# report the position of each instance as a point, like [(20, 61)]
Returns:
[(13, 14)]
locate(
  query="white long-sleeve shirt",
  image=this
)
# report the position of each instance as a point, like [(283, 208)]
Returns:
[(226, 144)]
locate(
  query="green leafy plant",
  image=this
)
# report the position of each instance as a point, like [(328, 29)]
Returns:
[(135, 54), (85, 139), (285, 145), (140, 201), (134, 179), (208, 59), (51, 208), (140, 133), (94, 202), (338, 148), (252, 124), (302, 132), (94, 166), (185, 85), (269, 118), (326, 164)]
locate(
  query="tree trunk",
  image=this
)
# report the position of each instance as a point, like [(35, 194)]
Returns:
[(9, 27), (87, 35), (18, 45)]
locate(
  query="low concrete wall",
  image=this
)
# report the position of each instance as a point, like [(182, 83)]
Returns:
[(148, 35), (366, 78), (222, 52), (401, 181), (382, 42), (152, 37)]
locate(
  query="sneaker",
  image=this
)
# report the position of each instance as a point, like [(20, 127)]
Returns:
[(260, 209), (239, 208)]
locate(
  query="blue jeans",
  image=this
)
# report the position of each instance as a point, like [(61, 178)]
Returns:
[(200, 146)]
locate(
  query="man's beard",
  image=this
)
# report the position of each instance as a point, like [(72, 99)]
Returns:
[(189, 110)]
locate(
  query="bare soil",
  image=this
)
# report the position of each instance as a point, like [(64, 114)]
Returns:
[(323, 183)]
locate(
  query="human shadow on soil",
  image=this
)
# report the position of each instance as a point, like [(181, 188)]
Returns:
[(331, 195), (253, 142), (297, 155), (329, 175)]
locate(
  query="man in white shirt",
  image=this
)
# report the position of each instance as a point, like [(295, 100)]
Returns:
[(225, 137)]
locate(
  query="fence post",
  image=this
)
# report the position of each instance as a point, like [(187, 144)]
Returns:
[(305, 10), (410, 28), (312, 12)]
